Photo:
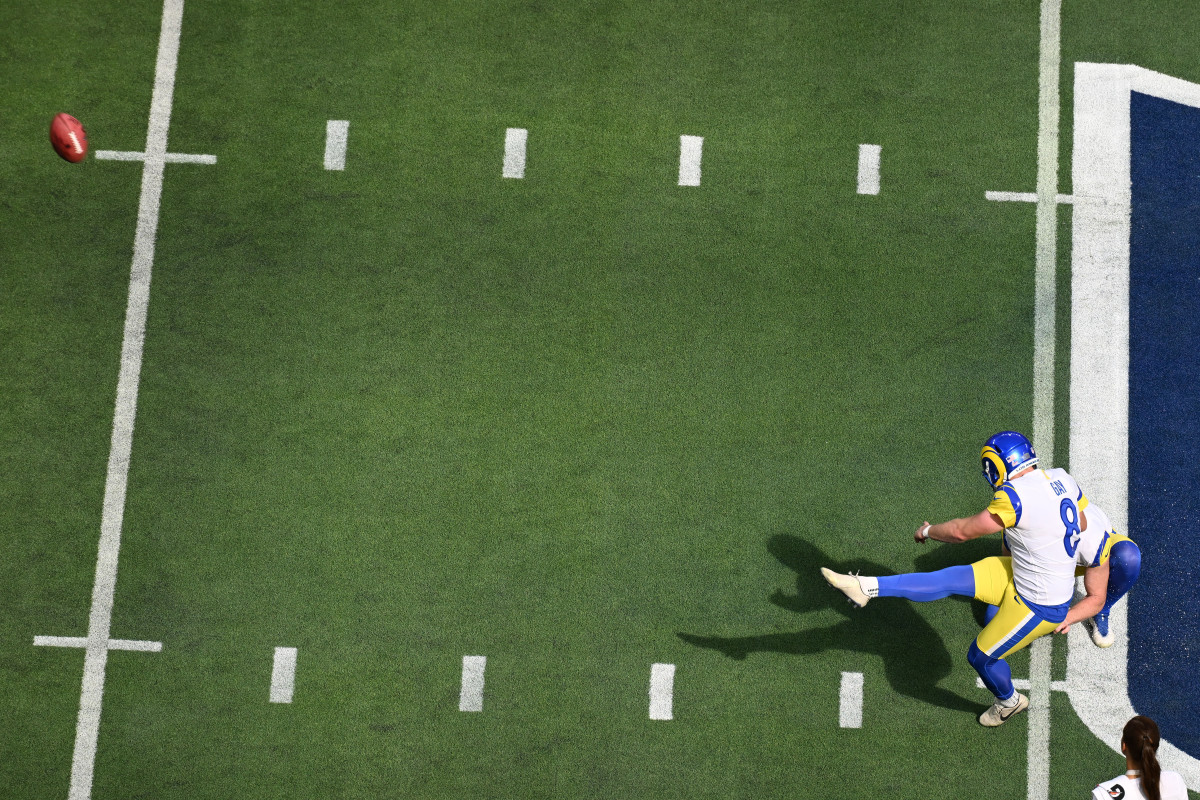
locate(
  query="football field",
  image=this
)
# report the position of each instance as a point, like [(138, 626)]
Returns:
[(494, 379)]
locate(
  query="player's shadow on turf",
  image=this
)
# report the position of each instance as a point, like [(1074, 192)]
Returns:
[(936, 558), (914, 657)]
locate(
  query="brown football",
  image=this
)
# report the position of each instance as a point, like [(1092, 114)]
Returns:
[(68, 137)]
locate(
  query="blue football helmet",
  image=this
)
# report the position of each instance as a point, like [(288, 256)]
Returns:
[(1005, 453)]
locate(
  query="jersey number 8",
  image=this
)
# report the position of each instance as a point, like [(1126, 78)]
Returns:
[(1070, 518)]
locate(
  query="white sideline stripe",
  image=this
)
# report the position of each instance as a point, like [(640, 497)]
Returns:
[(1025, 197), (337, 131), (514, 152), (1044, 292), (113, 644), (87, 729), (1098, 680), (169, 158), (868, 170), (283, 675), (1023, 684), (690, 150), (850, 700), (470, 697), (662, 691)]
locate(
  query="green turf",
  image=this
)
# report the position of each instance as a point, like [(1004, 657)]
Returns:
[(412, 411)]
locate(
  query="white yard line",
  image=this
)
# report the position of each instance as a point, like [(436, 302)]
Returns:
[(1045, 273), (662, 691), (337, 132), (868, 168), (283, 675), (1025, 197), (1044, 294), (515, 140), (850, 700), (1038, 753), (113, 644), (690, 151), (169, 158), (1021, 684), (87, 728), (470, 697)]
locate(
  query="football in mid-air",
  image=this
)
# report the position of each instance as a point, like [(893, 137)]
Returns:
[(68, 137)]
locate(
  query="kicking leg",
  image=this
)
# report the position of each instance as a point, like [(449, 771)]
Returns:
[(925, 587), (920, 586), (984, 580)]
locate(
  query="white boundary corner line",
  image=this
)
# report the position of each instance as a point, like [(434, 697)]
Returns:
[(97, 644), (1097, 680), (1044, 292)]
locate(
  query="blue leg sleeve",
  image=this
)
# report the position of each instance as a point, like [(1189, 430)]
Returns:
[(997, 676), (989, 613), (1124, 566), (926, 586)]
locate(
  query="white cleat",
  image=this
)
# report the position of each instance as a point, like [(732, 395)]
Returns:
[(1102, 635), (997, 715), (848, 585)]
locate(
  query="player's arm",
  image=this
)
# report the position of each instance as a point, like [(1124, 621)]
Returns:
[(963, 529), (1095, 584)]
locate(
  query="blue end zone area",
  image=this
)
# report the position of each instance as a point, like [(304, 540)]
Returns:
[(1164, 416)]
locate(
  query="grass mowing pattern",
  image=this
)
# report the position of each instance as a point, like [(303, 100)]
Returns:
[(413, 411)]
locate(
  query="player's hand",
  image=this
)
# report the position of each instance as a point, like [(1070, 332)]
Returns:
[(921, 536), (1063, 628)]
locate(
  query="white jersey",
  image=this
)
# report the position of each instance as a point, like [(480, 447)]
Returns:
[(1098, 539), (1040, 511), (1129, 787)]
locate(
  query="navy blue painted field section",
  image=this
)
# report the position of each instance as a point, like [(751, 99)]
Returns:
[(1164, 416)]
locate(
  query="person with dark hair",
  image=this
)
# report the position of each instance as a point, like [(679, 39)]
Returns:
[(1144, 779)]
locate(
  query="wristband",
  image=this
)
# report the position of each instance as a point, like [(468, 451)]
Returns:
[(925, 533)]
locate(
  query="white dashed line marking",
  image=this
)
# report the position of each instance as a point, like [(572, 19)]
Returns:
[(868, 168), (283, 675), (662, 691), (514, 152), (336, 134), (690, 149), (850, 700), (470, 698)]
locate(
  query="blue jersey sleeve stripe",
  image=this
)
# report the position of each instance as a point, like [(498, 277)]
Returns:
[(1015, 499)]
